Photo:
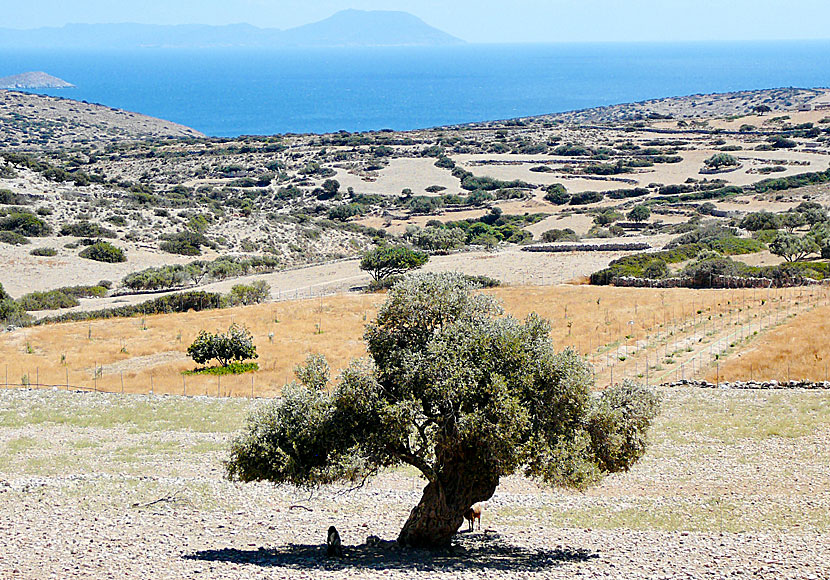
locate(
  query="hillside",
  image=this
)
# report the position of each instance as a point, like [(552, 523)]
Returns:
[(41, 122)]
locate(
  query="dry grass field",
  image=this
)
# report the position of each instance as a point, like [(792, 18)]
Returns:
[(797, 350), (648, 334)]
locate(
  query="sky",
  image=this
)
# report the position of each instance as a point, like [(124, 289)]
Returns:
[(479, 21)]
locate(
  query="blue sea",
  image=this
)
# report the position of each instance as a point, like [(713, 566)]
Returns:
[(227, 92)]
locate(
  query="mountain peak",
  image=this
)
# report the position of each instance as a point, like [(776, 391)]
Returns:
[(345, 28)]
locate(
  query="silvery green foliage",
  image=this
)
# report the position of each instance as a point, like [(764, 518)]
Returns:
[(235, 345), (456, 390)]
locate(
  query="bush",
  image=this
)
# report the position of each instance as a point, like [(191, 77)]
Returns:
[(555, 235), (760, 220), (184, 243), (50, 300), (9, 198), (46, 252), (236, 368), (12, 313), (13, 238), (719, 160), (586, 197), (85, 229), (103, 252), (235, 345), (25, 224), (557, 194), (245, 295)]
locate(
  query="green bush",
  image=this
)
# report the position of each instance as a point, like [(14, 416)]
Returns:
[(103, 252), (184, 243), (586, 198), (557, 194), (247, 294), (86, 229), (719, 160), (12, 313), (49, 300), (555, 235), (25, 224), (13, 238), (236, 368), (8, 197), (46, 252)]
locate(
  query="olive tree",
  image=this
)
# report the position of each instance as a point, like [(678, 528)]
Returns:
[(391, 260), (792, 247), (456, 390)]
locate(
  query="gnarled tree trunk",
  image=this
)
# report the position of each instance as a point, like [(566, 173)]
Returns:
[(439, 514)]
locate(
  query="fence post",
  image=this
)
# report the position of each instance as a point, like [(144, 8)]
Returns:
[(184, 386), (67, 377), (151, 383)]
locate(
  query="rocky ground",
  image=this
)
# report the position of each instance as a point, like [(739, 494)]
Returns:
[(97, 486)]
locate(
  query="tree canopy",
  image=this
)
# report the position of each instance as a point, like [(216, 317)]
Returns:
[(389, 260), (458, 391)]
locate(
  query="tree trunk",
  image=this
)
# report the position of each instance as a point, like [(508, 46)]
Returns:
[(439, 514)]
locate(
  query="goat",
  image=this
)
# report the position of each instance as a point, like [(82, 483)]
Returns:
[(474, 513), (334, 547)]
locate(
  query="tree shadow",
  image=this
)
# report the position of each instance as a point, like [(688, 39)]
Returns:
[(470, 552)]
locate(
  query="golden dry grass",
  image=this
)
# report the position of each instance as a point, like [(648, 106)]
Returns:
[(149, 353), (798, 350)]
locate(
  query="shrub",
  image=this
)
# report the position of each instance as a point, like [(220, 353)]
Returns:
[(554, 235), (639, 213), (247, 294), (760, 220), (103, 252), (8, 197), (586, 198), (719, 160), (184, 243), (25, 224), (85, 229), (13, 238), (557, 194), (235, 345), (12, 313), (50, 300), (46, 252)]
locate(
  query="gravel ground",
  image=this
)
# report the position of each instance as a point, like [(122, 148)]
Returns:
[(101, 486)]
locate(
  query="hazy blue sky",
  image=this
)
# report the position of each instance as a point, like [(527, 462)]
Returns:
[(472, 20)]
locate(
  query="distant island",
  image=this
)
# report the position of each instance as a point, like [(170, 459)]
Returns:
[(348, 28), (34, 80)]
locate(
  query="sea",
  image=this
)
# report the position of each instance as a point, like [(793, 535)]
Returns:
[(232, 92)]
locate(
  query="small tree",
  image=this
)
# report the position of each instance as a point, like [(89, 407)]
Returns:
[(792, 247), (460, 393), (639, 213), (719, 160), (235, 345), (247, 294), (388, 261)]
